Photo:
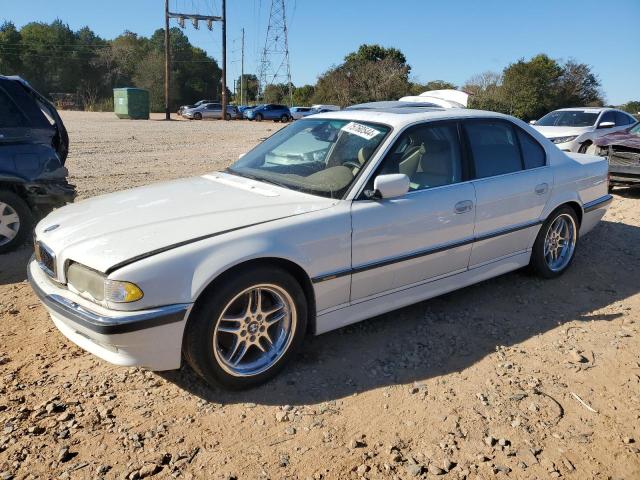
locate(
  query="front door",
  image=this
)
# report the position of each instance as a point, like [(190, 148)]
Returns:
[(427, 233)]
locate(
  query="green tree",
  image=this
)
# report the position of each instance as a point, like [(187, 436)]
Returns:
[(49, 60), (372, 73), (276, 93), (578, 86), (10, 49), (250, 88), (375, 53), (529, 86), (486, 92), (632, 107), (418, 88), (303, 95)]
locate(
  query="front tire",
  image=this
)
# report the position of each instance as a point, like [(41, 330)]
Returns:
[(554, 248), (197, 116), (16, 221), (259, 117), (247, 327), (584, 147)]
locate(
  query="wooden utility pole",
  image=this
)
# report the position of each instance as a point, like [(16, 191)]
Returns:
[(167, 62), (195, 18), (224, 59), (242, 71)]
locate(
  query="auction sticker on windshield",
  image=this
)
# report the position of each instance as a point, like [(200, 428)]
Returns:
[(361, 130)]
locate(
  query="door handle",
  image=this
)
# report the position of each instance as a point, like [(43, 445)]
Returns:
[(463, 206), (541, 189)]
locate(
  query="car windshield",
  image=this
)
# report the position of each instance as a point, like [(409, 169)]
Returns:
[(319, 156), (635, 130), (568, 118)]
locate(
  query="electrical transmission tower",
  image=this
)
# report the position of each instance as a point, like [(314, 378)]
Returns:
[(274, 64)]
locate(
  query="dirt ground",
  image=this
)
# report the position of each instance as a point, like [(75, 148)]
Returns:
[(512, 378)]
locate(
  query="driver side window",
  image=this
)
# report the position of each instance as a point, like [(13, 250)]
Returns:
[(429, 154)]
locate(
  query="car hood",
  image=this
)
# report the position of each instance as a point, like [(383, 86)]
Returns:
[(622, 139), (111, 229), (554, 132)]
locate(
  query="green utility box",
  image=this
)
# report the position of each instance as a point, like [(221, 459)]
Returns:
[(132, 103)]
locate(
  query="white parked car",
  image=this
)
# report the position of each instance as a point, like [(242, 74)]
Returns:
[(574, 129), (300, 112), (332, 220), (210, 110)]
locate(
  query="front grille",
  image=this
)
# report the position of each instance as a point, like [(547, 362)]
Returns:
[(629, 159), (46, 259)]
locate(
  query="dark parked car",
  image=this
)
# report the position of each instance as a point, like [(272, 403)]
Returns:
[(623, 151), (33, 149), (270, 111)]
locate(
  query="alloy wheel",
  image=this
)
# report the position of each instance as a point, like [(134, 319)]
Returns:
[(9, 223), (560, 242), (254, 330)]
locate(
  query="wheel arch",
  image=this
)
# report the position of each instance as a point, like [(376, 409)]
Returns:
[(577, 208), (287, 265)]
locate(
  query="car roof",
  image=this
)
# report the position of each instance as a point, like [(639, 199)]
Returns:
[(401, 116), (584, 109)]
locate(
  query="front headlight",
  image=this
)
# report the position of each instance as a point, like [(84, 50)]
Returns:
[(564, 139), (96, 287)]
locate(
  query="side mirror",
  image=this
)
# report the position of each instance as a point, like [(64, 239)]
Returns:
[(532, 122), (606, 124), (391, 186)]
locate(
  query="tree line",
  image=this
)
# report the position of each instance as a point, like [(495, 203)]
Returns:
[(56, 59)]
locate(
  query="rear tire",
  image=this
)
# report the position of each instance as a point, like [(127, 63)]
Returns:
[(16, 221), (554, 249), (234, 337)]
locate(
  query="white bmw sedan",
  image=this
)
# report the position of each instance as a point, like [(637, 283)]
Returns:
[(335, 218)]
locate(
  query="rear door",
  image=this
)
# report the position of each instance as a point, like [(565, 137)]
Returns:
[(512, 184)]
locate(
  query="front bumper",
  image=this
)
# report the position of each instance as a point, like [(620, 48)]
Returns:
[(147, 338)]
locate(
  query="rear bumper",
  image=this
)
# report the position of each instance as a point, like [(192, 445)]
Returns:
[(147, 338), (46, 196), (593, 213)]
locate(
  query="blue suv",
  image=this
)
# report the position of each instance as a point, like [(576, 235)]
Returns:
[(270, 111)]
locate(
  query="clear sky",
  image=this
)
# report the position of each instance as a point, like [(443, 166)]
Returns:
[(449, 40)]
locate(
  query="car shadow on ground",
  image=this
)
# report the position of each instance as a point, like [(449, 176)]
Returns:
[(627, 192), (13, 265), (449, 333)]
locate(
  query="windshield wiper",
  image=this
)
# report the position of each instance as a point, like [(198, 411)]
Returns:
[(256, 178)]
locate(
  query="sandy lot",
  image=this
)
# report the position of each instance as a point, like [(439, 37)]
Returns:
[(512, 378)]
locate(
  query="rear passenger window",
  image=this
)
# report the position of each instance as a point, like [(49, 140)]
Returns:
[(10, 115), (532, 151), (494, 148)]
